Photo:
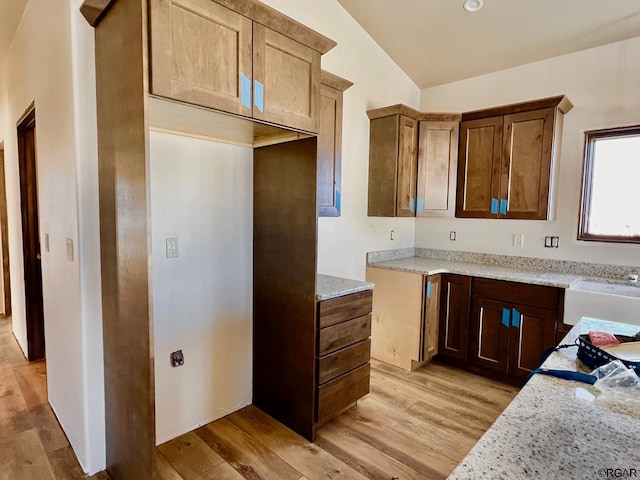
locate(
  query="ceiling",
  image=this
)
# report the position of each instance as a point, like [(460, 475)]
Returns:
[(436, 41), (10, 15)]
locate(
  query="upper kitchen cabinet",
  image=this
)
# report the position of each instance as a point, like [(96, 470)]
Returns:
[(393, 143), (506, 157), (242, 58), (437, 165), (330, 144)]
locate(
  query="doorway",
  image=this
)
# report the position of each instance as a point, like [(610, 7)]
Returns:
[(27, 157), (4, 240)]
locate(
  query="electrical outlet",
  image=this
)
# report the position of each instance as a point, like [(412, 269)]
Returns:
[(518, 240), (46, 242), (172, 247), (452, 236), (177, 358), (392, 235), (70, 249)]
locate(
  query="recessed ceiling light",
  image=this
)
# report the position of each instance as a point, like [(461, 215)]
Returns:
[(472, 5)]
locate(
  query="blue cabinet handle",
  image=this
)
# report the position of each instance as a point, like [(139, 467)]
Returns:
[(420, 204), (494, 205), (245, 90), (506, 316), (503, 207), (258, 95), (428, 289), (412, 205), (515, 319)]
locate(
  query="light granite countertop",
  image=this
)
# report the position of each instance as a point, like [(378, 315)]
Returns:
[(328, 286), (431, 266), (557, 428)]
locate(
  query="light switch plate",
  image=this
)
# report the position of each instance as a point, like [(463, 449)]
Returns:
[(518, 240), (452, 236), (46, 242), (172, 247), (70, 249)]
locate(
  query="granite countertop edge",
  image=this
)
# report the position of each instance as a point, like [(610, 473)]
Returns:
[(557, 428), (328, 286), (431, 266)]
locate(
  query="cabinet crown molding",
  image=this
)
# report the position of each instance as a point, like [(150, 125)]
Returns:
[(94, 10), (561, 102), (401, 109), (334, 81)]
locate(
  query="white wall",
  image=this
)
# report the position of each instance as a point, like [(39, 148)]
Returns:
[(343, 241), (202, 193), (602, 83), (39, 67)]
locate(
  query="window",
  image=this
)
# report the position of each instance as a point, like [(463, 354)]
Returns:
[(610, 210)]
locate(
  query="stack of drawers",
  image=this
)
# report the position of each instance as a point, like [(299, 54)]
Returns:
[(342, 353)]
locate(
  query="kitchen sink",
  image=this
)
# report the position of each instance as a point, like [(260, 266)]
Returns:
[(607, 301)]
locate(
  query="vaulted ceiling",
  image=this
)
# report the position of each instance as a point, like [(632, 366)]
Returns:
[(10, 15), (436, 41)]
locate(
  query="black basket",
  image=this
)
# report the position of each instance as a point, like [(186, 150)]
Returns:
[(594, 357)]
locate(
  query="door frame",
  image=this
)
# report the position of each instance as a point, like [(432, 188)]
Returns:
[(27, 164), (4, 238)]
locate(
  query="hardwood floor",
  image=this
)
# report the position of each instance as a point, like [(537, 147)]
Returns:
[(413, 425), (32, 443)]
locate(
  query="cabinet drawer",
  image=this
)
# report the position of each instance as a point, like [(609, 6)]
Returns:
[(339, 309), (344, 334), (343, 361), (342, 392), (518, 293)]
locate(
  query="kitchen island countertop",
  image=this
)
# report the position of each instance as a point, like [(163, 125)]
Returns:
[(557, 428)]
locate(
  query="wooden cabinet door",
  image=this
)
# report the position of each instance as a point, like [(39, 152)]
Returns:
[(479, 168), (397, 316), (286, 80), (407, 167), (201, 54), (455, 296), (437, 169), (533, 330), (431, 317), (526, 164), (330, 144), (489, 334)]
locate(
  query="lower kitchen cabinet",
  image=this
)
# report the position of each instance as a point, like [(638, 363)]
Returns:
[(455, 293), (404, 330), (342, 353), (510, 326)]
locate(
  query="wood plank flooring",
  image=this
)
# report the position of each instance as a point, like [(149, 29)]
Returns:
[(32, 443), (413, 425)]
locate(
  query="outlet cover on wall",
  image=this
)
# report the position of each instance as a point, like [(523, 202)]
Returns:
[(172, 247)]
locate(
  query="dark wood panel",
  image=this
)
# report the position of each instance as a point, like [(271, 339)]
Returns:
[(343, 361), (32, 263), (121, 55), (335, 396), (488, 336), (339, 309), (562, 102), (536, 333), (383, 157), (479, 168), (520, 293), (454, 316), (343, 334), (284, 282), (4, 235)]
